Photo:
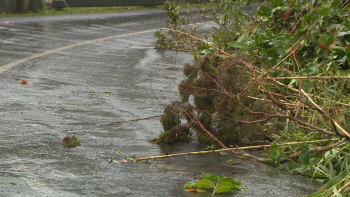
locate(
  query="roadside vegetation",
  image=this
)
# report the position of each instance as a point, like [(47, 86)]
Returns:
[(82, 10), (278, 78)]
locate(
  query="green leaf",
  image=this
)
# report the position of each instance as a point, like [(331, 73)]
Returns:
[(343, 33), (334, 181), (305, 154), (336, 3), (335, 191), (347, 54), (324, 12), (225, 184), (272, 150), (115, 161), (190, 184), (347, 24), (276, 3), (317, 194), (237, 45), (264, 11), (223, 189), (338, 49), (343, 113), (211, 177), (243, 37), (271, 51), (223, 153), (205, 183)]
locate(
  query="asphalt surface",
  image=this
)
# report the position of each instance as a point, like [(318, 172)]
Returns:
[(85, 72)]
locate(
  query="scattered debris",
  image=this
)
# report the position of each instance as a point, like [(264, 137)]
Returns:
[(134, 120), (23, 81), (70, 141)]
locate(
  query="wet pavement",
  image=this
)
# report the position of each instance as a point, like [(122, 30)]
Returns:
[(79, 90)]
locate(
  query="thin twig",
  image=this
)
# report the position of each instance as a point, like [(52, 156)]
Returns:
[(342, 188), (134, 120), (216, 186), (232, 149)]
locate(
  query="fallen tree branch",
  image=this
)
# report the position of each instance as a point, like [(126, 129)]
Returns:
[(315, 150), (205, 130), (232, 149), (343, 133), (135, 119)]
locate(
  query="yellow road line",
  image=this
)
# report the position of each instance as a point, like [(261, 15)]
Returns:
[(15, 63)]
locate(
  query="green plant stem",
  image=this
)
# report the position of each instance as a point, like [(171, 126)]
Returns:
[(216, 186)]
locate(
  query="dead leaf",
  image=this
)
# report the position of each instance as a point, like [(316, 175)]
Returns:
[(201, 190), (8, 22), (123, 161), (23, 81), (331, 45), (124, 56), (128, 8), (192, 190), (12, 183)]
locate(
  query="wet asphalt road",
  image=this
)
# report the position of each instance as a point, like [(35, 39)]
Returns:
[(78, 90)]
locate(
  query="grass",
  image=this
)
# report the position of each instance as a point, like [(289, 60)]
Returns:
[(83, 10), (95, 10)]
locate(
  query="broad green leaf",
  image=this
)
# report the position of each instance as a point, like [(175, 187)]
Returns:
[(305, 155), (264, 11), (276, 3), (211, 177), (338, 49), (225, 184), (223, 189), (205, 183), (343, 33), (243, 37), (347, 24), (190, 184), (336, 3), (325, 12), (237, 45)]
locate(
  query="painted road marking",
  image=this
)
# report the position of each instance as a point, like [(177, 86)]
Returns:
[(15, 63)]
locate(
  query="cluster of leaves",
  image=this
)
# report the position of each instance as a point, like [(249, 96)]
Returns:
[(210, 182), (280, 74), (332, 167)]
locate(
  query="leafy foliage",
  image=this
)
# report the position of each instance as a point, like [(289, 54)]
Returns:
[(221, 184), (278, 75)]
